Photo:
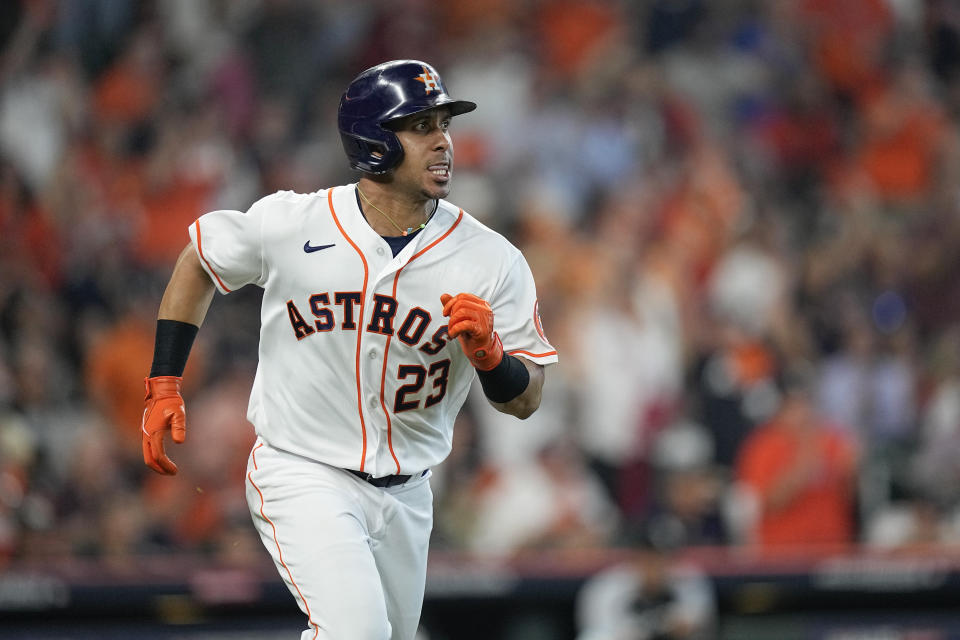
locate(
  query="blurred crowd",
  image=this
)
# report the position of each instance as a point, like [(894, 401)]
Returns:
[(742, 217)]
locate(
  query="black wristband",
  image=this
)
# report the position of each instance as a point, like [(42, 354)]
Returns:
[(505, 381), (172, 347)]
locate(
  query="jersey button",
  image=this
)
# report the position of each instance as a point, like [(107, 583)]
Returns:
[(372, 354), (380, 251), (372, 401)]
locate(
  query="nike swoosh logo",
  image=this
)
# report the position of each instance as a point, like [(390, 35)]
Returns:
[(307, 248)]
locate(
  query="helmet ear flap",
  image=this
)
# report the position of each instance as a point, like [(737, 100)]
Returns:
[(372, 156)]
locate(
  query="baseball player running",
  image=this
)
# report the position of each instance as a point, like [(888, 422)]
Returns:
[(380, 301)]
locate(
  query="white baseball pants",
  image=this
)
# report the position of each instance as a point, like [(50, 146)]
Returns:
[(354, 556)]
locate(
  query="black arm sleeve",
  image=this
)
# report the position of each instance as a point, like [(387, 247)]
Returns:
[(172, 347), (505, 381)]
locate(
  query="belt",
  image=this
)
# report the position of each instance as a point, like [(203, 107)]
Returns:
[(384, 482)]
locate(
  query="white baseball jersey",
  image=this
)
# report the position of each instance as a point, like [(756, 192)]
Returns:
[(355, 367)]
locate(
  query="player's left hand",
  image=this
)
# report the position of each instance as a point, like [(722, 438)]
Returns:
[(471, 322), (163, 411)]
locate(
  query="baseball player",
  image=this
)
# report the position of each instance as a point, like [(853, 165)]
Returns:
[(381, 299)]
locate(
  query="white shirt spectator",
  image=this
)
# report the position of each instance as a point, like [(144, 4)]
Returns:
[(624, 603)]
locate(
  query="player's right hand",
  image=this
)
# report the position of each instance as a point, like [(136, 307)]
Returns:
[(163, 411)]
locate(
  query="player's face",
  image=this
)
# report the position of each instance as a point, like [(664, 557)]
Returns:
[(427, 165)]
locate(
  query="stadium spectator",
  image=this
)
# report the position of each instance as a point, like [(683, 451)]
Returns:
[(563, 505), (650, 597), (801, 471)]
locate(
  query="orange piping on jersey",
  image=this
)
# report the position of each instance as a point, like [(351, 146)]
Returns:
[(383, 378), (386, 349), (434, 243), (202, 257), (363, 298), (532, 355), (276, 540)]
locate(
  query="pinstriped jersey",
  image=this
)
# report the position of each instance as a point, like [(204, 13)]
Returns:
[(355, 366)]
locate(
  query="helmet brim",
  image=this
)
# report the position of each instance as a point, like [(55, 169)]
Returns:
[(456, 107)]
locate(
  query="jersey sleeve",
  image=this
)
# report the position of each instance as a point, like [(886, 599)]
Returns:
[(229, 244), (516, 315)]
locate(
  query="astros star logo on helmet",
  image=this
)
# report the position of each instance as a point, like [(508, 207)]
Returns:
[(429, 80)]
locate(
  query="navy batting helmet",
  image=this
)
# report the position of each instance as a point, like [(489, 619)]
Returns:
[(383, 93)]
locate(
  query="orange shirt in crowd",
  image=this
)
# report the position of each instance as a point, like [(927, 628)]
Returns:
[(820, 509), (167, 215), (573, 32), (900, 147), (848, 40)]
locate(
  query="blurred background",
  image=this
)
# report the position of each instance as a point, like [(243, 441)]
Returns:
[(743, 218)]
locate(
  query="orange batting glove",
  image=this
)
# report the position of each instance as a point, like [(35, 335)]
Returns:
[(163, 410), (471, 322)]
